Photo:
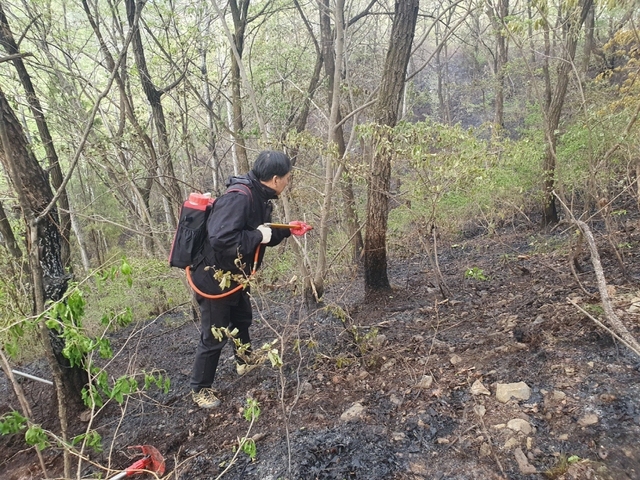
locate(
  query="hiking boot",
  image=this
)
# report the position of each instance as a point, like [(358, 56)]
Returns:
[(244, 368), (205, 398)]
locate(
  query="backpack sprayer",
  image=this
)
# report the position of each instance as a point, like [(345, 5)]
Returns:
[(298, 229)]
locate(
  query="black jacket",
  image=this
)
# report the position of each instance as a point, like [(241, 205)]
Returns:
[(232, 230)]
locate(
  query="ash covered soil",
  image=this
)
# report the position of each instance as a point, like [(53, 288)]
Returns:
[(402, 385)]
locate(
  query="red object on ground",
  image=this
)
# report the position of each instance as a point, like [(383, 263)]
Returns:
[(151, 462)]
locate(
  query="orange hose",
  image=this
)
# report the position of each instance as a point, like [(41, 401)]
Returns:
[(225, 294)]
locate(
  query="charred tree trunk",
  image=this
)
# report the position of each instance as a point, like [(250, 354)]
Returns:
[(63, 218), (386, 116), (35, 194)]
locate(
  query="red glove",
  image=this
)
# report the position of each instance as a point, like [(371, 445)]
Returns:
[(300, 229)]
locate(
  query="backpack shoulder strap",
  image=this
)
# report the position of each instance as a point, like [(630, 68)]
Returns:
[(240, 187), (244, 189)]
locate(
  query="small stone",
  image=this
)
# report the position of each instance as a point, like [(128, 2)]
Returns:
[(558, 395), (398, 436), (479, 410), (563, 437), (425, 381), (479, 389), (455, 359), (418, 469), (511, 443), (354, 412), (519, 425), (379, 340), (523, 463), (520, 391), (588, 419), (485, 450), (442, 440), (388, 365)]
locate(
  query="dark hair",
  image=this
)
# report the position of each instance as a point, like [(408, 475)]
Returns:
[(270, 163)]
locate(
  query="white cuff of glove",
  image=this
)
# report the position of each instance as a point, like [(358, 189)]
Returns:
[(266, 233)]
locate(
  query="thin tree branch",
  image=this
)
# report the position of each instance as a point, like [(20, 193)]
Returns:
[(15, 56), (614, 321), (363, 13)]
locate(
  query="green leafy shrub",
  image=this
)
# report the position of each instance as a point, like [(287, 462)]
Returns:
[(452, 176), (154, 289)]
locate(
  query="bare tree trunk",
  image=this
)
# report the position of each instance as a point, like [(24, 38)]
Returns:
[(172, 193), (554, 110), (443, 74), (589, 41), (351, 216), (386, 114), (9, 44), (497, 16), (8, 238), (335, 140), (300, 122), (334, 81), (532, 47), (239, 14), (211, 121), (84, 256)]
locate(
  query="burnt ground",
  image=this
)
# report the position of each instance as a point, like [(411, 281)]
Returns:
[(381, 388)]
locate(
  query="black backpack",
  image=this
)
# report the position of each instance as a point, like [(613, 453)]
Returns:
[(191, 233)]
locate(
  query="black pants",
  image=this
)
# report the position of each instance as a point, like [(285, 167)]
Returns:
[(232, 312)]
